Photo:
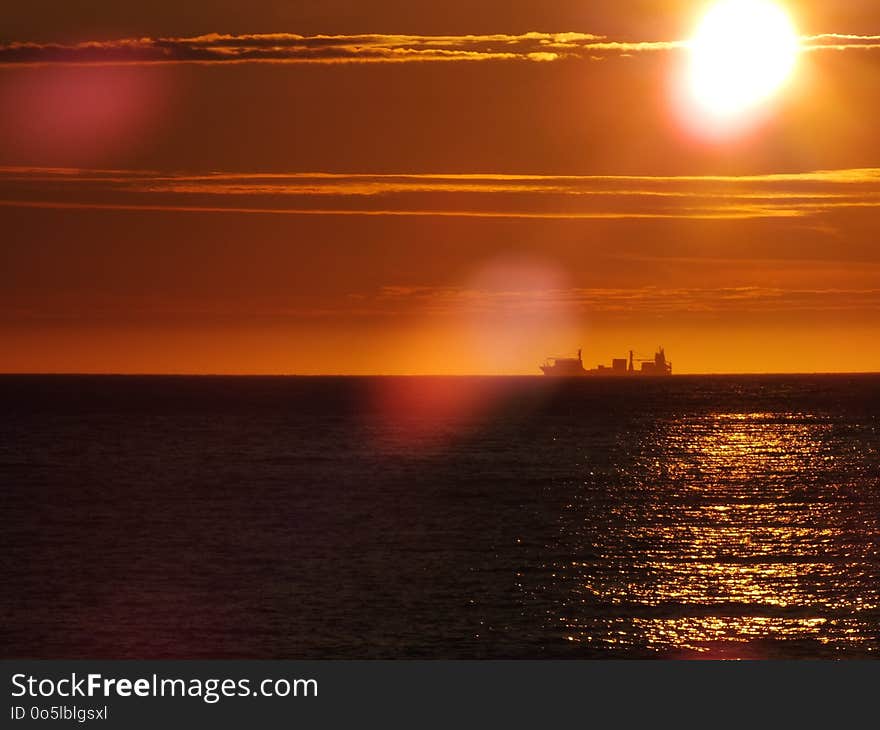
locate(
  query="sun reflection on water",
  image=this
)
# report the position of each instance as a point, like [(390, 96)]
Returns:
[(721, 530)]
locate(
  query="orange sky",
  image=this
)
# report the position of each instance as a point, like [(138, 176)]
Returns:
[(456, 190)]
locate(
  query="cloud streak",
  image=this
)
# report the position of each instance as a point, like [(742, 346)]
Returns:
[(294, 48), (840, 42), (585, 197), (217, 48), (441, 301), (624, 301)]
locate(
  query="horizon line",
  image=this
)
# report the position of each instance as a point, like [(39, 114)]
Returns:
[(638, 376)]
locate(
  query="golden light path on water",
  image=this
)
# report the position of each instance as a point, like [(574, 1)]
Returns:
[(732, 539)]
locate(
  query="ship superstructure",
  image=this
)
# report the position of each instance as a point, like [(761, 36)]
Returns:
[(620, 367)]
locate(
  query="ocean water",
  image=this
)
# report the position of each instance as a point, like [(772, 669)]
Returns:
[(687, 517)]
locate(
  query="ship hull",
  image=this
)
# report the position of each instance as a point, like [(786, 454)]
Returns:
[(548, 371)]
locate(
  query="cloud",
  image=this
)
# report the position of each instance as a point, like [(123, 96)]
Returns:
[(442, 301), (584, 197), (656, 301), (726, 213), (290, 47), (840, 42), (293, 48), (215, 48)]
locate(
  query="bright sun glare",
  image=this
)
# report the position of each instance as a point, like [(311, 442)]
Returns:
[(741, 53)]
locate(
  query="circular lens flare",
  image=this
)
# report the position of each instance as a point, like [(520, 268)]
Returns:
[(742, 52)]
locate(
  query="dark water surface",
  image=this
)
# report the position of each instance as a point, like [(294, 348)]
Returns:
[(440, 517)]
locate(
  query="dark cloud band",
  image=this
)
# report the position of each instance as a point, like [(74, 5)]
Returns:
[(294, 48), (366, 48)]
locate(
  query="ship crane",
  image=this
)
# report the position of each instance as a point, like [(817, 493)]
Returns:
[(635, 357), (658, 361)]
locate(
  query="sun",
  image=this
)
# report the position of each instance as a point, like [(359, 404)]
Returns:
[(743, 51)]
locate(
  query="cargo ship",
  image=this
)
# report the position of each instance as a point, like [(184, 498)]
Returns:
[(620, 367)]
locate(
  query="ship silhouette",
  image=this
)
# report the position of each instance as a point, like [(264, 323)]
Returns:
[(620, 367)]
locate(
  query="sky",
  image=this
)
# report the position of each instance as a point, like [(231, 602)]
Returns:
[(438, 187)]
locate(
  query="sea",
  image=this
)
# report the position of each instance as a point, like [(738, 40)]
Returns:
[(731, 517)]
